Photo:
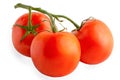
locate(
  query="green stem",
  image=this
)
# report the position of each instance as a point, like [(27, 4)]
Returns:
[(54, 29), (75, 24), (29, 20), (29, 28), (19, 5)]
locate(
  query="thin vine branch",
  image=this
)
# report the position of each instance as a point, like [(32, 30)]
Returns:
[(19, 5)]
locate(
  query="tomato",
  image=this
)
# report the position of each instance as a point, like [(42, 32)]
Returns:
[(96, 41), (38, 19), (55, 54)]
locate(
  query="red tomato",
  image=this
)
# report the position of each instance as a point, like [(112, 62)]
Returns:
[(96, 41), (17, 32), (55, 54)]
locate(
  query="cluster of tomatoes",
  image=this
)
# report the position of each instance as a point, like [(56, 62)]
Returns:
[(57, 53)]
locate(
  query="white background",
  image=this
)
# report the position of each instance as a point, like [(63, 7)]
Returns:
[(14, 66)]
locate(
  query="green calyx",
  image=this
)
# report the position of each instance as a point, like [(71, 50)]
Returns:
[(52, 22), (29, 28)]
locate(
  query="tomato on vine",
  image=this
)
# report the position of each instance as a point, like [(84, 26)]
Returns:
[(26, 28), (96, 41), (55, 54)]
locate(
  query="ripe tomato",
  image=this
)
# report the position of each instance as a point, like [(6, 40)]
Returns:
[(96, 41), (23, 46), (55, 54)]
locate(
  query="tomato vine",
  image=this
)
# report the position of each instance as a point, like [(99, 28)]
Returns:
[(19, 5)]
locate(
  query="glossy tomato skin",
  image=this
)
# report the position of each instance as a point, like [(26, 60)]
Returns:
[(96, 41), (55, 54), (37, 19)]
